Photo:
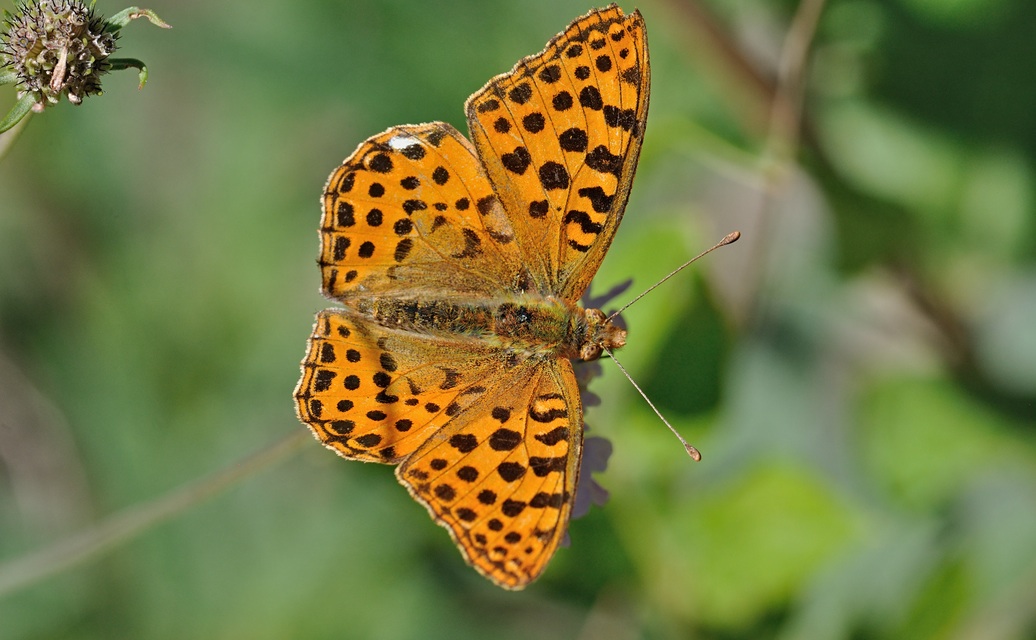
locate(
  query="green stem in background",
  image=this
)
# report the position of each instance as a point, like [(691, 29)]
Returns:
[(121, 527), (782, 142)]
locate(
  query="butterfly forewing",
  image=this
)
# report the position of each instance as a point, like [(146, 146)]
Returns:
[(560, 136), (410, 210)]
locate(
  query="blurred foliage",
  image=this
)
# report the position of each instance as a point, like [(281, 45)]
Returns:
[(859, 371)]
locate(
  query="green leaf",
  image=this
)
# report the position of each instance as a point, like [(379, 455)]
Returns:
[(125, 63), (127, 15), (17, 112), (757, 539), (948, 439)]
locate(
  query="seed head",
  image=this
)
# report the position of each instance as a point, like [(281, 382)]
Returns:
[(57, 47)]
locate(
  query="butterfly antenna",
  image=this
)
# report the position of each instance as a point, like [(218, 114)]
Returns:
[(728, 239), (691, 451)]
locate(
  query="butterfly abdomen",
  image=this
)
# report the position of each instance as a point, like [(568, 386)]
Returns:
[(525, 325)]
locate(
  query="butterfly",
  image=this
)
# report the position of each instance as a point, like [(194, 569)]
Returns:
[(459, 265)]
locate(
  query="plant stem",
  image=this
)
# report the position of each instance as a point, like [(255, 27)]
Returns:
[(121, 527)]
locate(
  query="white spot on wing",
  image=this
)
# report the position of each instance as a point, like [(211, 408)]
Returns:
[(399, 143)]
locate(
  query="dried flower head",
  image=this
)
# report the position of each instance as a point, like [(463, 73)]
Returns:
[(54, 48), (57, 47)]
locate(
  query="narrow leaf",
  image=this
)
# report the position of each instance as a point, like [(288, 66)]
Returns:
[(124, 17), (125, 63), (17, 112)]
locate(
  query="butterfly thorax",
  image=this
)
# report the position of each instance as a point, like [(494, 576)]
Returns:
[(524, 325)]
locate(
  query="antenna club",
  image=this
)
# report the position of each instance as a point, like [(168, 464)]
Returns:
[(730, 237), (691, 451)]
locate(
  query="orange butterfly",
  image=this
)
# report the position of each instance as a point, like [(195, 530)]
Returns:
[(459, 266)]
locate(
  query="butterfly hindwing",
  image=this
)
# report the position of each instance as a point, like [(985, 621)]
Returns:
[(502, 481), (375, 394)]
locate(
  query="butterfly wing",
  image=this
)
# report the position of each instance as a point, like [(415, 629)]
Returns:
[(560, 135), (501, 476), (411, 213), (490, 447), (375, 394)]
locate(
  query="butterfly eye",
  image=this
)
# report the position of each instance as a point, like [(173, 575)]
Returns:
[(590, 351)]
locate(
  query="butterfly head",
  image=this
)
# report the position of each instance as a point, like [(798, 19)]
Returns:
[(601, 334)]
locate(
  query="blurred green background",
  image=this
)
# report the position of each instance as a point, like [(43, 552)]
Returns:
[(859, 371)]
